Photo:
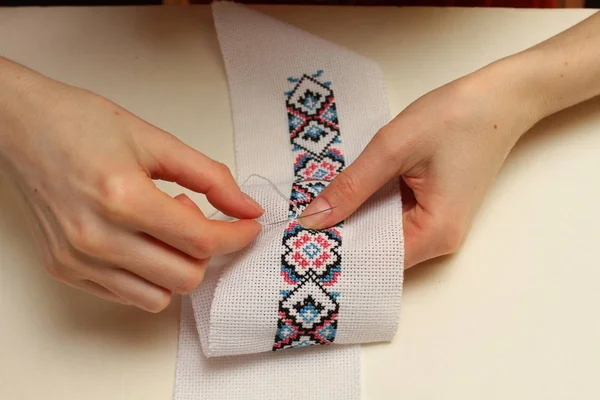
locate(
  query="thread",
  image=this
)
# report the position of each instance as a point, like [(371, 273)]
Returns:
[(284, 197), (297, 218)]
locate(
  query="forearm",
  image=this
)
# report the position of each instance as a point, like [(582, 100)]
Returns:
[(13, 84), (568, 66), (23, 93), (559, 72)]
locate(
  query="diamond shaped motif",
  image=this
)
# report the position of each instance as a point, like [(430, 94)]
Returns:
[(309, 310), (311, 260), (309, 96), (325, 169), (296, 121), (303, 341), (328, 114), (311, 187), (326, 332), (286, 331), (311, 250), (315, 137), (309, 305)]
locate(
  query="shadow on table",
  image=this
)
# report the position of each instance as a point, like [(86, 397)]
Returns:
[(557, 126)]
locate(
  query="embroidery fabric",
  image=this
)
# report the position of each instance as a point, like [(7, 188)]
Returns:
[(311, 262), (229, 333)]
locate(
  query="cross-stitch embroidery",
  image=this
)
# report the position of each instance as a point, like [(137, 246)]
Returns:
[(311, 263)]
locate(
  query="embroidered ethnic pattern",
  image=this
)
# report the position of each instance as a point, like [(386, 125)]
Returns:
[(311, 263)]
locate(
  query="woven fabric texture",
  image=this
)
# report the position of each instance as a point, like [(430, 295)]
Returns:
[(351, 294)]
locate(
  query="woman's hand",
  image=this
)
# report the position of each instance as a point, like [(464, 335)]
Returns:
[(447, 148), (449, 145), (84, 167)]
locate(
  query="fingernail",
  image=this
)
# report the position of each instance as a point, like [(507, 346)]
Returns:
[(253, 202), (312, 220)]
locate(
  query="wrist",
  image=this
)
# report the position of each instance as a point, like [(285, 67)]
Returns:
[(556, 74), (526, 76), (504, 94), (528, 87), (21, 93)]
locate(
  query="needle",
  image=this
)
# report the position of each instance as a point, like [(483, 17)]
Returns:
[(303, 216)]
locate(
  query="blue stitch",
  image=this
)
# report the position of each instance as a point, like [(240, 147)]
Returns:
[(328, 332), (310, 257)]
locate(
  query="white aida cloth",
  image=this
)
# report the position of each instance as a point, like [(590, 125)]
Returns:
[(303, 108)]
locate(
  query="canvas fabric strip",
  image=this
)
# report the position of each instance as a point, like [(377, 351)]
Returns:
[(303, 108)]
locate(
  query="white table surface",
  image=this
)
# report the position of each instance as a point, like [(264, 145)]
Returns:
[(512, 316)]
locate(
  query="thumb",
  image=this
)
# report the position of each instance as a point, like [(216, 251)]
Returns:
[(353, 186), (174, 161)]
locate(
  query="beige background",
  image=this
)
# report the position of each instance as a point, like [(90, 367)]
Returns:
[(514, 315)]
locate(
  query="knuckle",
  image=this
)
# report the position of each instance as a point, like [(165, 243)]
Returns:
[(191, 281), (85, 238), (115, 195), (386, 147), (223, 172), (63, 257), (60, 263), (346, 185), (397, 139), (223, 169), (390, 145), (386, 135), (55, 270), (205, 247)]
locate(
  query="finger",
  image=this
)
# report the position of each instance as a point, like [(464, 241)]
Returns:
[(176, 162), (152, 211), (184, 199), (97, 290), (375, 166), (131, 288), (154, 261)]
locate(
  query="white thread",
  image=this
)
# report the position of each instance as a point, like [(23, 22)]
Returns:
[(283, 196), (302, 216)]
